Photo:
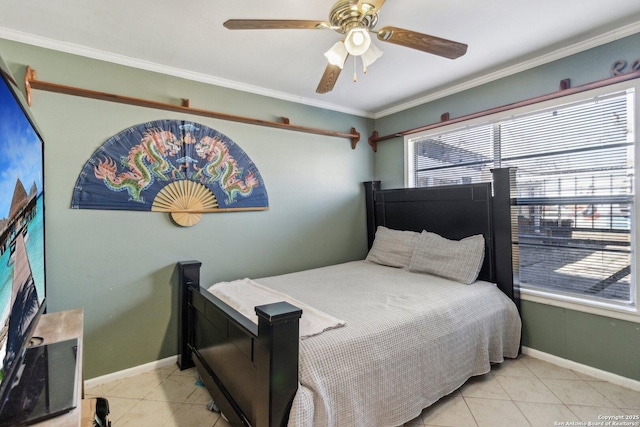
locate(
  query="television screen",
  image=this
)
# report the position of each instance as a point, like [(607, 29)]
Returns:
[(22, 260)]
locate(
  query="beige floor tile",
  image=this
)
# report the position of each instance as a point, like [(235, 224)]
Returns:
[(136, 387), (544, 369), (199, 396), (520, 392), (187, 372), (176, 388), (586, 377), (167, 370), (192, 415), (149, 413), (512, 368), (222, 423), (485, 386), (527, 390), (546, 414), (592, 413), (101, 390), (573, 392), (414, 423), (621, 396), (493, 413), (449, 411)]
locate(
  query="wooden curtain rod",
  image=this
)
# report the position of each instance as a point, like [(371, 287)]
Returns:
[(565, 90), (30, 82)]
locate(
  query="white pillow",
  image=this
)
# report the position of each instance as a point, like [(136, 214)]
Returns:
[(458, 260), (393, 248)]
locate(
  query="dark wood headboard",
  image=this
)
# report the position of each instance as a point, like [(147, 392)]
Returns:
[(454, 212)]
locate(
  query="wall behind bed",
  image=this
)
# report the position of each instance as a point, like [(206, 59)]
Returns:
[(119, 266), (604, 343)]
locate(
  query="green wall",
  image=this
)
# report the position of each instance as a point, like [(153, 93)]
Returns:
[(601, 342), (609, 344), (119, 266)]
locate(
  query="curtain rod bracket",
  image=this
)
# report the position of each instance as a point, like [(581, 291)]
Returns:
[(31, 82), (355, 137), (565, 84), (29, 75), (373, 141)]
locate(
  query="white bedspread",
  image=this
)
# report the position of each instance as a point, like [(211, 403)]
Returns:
[(245, 294), (410, 339)]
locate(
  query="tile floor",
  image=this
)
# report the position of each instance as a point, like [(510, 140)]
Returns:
[(521, 392)]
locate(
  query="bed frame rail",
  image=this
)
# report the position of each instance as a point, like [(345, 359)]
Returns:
[(250, 371)]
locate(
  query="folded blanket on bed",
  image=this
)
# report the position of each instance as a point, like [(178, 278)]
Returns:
[(244, 295)]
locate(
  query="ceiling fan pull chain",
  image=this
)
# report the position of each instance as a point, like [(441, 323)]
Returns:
[(355, 70)]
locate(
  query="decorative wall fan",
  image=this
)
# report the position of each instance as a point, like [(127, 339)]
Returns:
[(355, 19), (173, 166)]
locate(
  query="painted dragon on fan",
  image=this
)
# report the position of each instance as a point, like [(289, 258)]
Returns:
[(222, 168), (149, 160), (145, 162)]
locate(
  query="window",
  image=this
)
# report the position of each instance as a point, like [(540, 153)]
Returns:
[(574, 190)]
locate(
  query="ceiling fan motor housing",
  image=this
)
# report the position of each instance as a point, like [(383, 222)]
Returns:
[(345, 15)]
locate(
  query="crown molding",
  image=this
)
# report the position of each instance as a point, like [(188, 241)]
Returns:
[(560, 53), (100, 55)]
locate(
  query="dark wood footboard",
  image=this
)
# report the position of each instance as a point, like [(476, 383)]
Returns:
[(251, 371)]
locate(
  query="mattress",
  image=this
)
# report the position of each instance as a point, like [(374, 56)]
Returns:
[(409, 340)]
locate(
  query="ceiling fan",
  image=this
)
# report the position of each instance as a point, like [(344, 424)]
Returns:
[(355, 19)]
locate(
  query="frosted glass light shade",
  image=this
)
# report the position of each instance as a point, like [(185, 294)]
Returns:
[(358, 41), (370, 56), (337, 54)]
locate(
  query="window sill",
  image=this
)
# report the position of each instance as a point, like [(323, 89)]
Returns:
[(629, 314)]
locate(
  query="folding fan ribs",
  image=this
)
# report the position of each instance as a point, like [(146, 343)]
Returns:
[(185, 200), (348, 17)]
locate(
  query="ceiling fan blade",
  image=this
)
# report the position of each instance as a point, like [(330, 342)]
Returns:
[(274, 24), (329, 78), (423, 42), (370, 6)]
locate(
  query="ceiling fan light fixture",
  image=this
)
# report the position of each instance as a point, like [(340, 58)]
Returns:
[(358, 41), (370, 56), (337, 55)]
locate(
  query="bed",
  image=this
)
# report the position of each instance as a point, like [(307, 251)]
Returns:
[(389, 356)]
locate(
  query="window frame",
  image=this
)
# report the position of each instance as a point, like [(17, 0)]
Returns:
[(603, 308)]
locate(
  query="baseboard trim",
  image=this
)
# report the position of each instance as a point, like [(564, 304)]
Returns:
[(140, 369), (584, 369), (565, 363)]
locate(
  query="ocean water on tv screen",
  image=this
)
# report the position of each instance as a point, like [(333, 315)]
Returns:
[(35, 250), (20, 174)]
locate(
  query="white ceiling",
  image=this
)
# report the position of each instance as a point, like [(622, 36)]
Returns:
[(186, 38)]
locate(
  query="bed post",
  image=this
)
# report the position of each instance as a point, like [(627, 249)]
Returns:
[(503, 185), (369, 188), (189, 277), (276, 358)]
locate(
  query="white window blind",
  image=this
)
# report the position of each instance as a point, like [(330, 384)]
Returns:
[(574, 188)]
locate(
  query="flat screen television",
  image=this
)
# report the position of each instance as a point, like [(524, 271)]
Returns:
[(22, 246)]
